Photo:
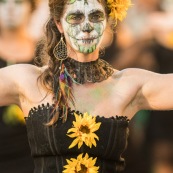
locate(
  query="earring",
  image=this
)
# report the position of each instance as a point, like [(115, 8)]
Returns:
[(60, 50)]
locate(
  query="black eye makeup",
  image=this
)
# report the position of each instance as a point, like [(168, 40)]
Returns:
[(96, 16), (75, 18), (78, 17)]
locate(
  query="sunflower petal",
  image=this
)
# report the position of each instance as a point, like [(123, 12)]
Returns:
[(75, 142)]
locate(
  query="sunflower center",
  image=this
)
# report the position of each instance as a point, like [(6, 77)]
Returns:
[(83, 169), (84, 129)]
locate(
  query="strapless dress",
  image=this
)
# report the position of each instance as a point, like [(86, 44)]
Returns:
[(50, 144)]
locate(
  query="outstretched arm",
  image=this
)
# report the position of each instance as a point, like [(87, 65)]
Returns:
[(9, 90), (156, 90)]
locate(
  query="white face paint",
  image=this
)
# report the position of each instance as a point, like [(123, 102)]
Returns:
[(84, 23), (14, 13)]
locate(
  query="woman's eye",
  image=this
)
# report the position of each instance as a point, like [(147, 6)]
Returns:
[(74, 19), (98, 17)]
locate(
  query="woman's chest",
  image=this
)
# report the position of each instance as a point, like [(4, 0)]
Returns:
[(106, 101), (97, 99)]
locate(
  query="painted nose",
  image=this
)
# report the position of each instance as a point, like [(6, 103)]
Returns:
[(87, 28)]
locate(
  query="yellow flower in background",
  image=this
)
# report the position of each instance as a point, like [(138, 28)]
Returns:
[(170, 39), (83, 130), (13, 115), (118, 8), (81, 165)]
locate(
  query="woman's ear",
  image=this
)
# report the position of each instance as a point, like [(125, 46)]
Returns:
[(59, 26)]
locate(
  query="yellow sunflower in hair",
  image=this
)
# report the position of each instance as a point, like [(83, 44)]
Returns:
[(118, 8), (83, 130), (81, 165)]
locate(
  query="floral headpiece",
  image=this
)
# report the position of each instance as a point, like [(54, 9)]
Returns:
[(118, 9)]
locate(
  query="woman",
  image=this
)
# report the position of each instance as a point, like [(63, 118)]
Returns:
[(62, 139)]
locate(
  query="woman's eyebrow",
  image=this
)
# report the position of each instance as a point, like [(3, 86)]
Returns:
[(75, 12), (96, 11)]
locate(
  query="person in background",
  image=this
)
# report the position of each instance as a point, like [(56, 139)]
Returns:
[(17, 45)]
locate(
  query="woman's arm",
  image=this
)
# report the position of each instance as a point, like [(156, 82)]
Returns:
[(16, 81), (9, 90), (156, 90)]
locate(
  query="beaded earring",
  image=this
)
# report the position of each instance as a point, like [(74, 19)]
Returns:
[(60, 50)]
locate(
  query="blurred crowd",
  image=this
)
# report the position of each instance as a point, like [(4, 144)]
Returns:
[(143, 40), (21, 27)]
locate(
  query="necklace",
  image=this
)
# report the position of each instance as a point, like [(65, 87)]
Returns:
[(88, 72)]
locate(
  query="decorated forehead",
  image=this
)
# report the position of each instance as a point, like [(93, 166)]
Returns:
[(117, 8), (85, 2), (84, 5)]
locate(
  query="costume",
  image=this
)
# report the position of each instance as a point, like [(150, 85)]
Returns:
[(81, 141), (49, 144)]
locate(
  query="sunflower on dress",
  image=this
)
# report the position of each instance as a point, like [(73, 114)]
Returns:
[(81, 165), (83, 130)]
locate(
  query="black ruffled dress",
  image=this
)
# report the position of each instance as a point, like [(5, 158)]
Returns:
[(49, 144)]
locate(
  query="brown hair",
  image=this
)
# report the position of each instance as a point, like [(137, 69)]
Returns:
[(49, 77)]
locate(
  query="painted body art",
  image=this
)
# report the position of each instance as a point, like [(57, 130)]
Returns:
[(84, 25), (72, 1)]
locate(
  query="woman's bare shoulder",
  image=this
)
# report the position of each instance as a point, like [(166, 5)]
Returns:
[(137, 75), (134, 72), (22, 69), (21, 73)]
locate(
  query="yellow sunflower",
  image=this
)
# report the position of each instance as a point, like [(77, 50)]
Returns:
[(118, 8), (83, 130), (81, 165)]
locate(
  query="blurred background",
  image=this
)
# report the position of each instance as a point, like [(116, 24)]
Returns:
[(21, 27), (143, 40)]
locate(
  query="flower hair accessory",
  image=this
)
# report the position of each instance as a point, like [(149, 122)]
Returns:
[(118, 9)]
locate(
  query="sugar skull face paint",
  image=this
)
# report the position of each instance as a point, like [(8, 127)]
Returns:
[(84, 23)]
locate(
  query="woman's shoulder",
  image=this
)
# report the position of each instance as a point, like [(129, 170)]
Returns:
[(21, 72), (134, 72), (23, 69), (137, 75)]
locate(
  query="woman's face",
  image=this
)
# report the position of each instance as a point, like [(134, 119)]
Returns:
[(83, 24), (14, 13)]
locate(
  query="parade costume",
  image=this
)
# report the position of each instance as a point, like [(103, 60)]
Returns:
[(54, 147), (50, 145)]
